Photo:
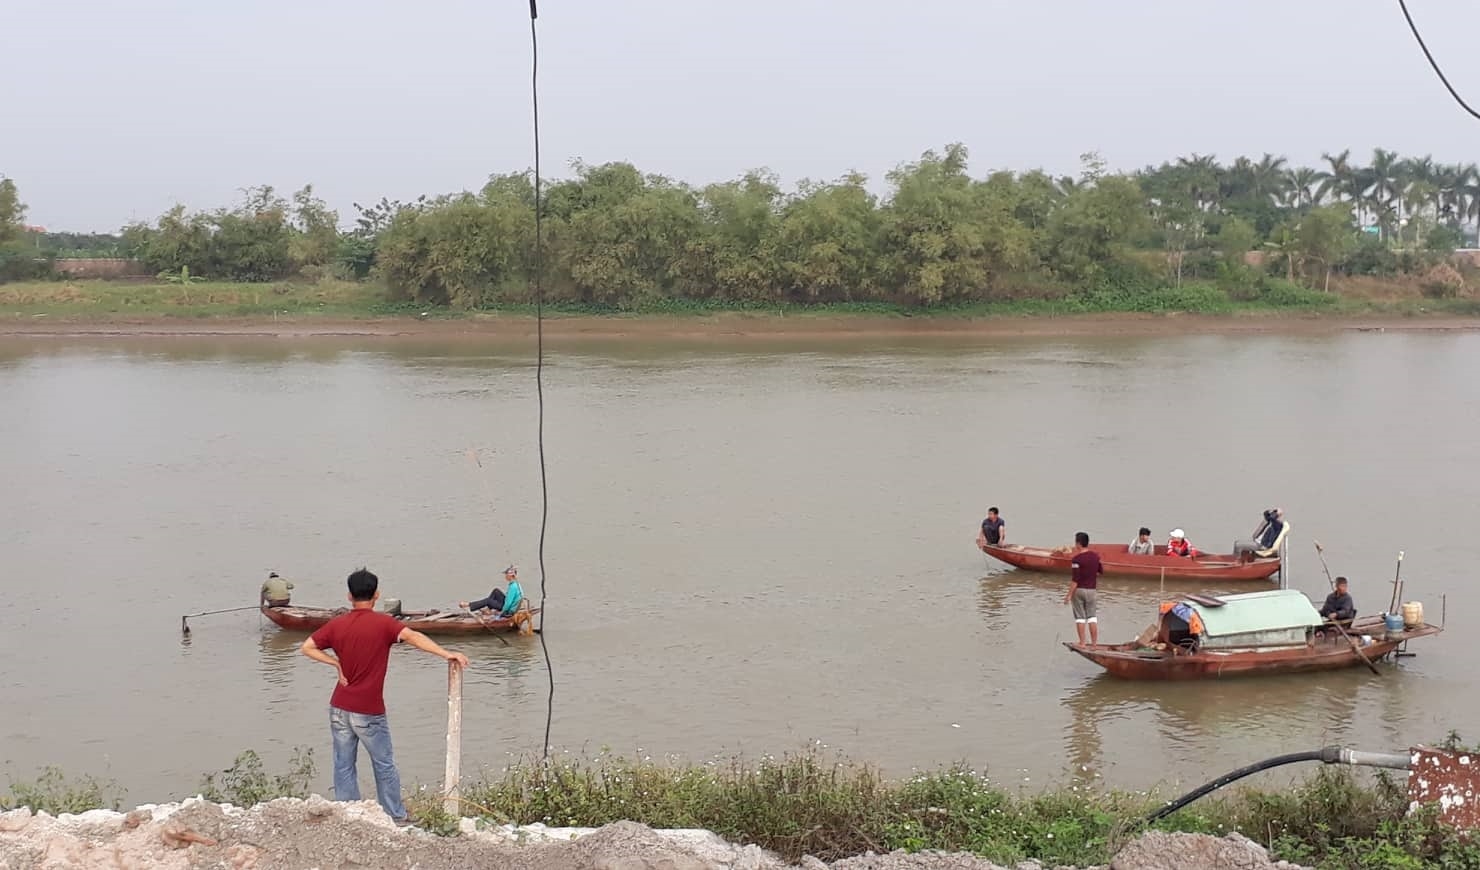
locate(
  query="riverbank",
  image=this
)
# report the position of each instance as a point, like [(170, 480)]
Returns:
[(800, 810), (821, 326), (291, 834), (334, 308)]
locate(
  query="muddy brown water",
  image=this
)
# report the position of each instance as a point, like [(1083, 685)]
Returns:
[(752, 545)]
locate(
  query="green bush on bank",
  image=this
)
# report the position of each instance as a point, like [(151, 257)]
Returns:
[(812, 803)]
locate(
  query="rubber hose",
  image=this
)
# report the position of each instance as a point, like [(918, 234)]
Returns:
[(1329, 755)]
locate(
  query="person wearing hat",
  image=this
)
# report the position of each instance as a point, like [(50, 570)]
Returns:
[(1178, 545), (503, 602), (275, 591)]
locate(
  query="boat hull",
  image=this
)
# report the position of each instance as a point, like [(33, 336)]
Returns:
[(1120, 563), (294, 618), (1331, 652)]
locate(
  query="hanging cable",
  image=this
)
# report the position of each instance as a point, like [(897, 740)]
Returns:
[(1433, 63), (539, 366)]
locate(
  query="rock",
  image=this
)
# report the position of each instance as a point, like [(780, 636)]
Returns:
[(810, 863), (1158, 850), (15, 820)]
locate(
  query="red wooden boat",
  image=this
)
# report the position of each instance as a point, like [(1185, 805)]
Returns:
[(1120, 562), (296, 618), (1272, 632)]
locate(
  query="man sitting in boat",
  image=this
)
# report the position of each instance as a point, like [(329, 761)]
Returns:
[(504, 603), (993, 531), (1339, 606), (1142, 545), (275, 591), (1178, 545), (1267, 538)]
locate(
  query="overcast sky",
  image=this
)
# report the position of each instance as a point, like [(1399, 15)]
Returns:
[(114, 111)]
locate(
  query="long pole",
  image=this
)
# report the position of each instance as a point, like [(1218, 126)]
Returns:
[(185, 626), (452, 774), (1397, 573), (1356, 648)]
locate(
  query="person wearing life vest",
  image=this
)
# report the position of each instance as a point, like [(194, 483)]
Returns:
[(1178, 545)]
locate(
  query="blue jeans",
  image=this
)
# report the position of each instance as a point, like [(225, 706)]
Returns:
[(348, 730)]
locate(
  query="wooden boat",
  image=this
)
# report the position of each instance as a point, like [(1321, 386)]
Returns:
[(294, 618), (1119, 561), (1277, 631)]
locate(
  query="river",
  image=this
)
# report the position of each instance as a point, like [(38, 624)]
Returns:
[(752, 545)]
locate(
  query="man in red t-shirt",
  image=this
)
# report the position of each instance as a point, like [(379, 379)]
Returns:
[(363, 639), (1085, 571)]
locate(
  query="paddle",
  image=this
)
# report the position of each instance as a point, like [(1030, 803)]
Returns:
[(185, 626), (1356, 648), (480, 618)]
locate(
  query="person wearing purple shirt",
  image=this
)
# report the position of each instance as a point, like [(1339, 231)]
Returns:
[(1084, 578)]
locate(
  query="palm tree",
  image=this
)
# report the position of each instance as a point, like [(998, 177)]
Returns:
[(1387, 179), (1336, 183), (1267, 177), (1300, 186), (1202, 179)]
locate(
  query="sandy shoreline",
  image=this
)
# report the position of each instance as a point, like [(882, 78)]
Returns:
[(732, 326)]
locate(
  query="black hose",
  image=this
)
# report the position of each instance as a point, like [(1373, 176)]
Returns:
[(1329, 755)]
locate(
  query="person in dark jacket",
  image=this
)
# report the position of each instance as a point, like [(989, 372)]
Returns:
[(1339, 606)]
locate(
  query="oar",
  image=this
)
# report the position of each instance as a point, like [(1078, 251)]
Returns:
[(185, 626), (490, 628), (1356, 648)]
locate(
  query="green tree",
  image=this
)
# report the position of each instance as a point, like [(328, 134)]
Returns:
[(12, 212), (1327, 237), (1094, 226), (315, 230), (945, 237)]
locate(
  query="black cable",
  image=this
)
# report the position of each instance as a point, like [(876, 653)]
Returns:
[(539, 366), (1433, 63), (1327, 755)]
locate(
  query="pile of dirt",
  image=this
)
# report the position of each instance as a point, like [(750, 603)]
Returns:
[(316, 833)]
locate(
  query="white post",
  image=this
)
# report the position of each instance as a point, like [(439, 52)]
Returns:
[(453, 772)]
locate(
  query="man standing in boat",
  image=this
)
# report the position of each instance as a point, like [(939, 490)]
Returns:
[(994, 530), (1084, 578), (363, 638), (1142, 545)]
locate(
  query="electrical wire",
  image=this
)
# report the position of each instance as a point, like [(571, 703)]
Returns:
[(539, 366), (1402, 4)]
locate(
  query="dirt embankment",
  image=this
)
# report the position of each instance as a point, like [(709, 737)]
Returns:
[(315, 833), (736, 325)]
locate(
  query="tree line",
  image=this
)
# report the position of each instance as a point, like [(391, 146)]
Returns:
[(617, 237)]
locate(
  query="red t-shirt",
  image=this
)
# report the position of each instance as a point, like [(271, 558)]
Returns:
[(1087, 569), (362, 639)]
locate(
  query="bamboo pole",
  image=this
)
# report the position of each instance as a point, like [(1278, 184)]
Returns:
[(453, 772)]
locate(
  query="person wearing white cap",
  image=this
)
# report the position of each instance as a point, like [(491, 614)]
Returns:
[(1178, 545), (503, 602)]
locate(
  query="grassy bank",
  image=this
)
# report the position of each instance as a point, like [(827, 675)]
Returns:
[(103, 301), (809, 803)]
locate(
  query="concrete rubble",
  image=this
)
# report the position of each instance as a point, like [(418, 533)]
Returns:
[(317, 834)]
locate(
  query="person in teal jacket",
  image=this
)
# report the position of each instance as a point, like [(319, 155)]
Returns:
[(504, 602)]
